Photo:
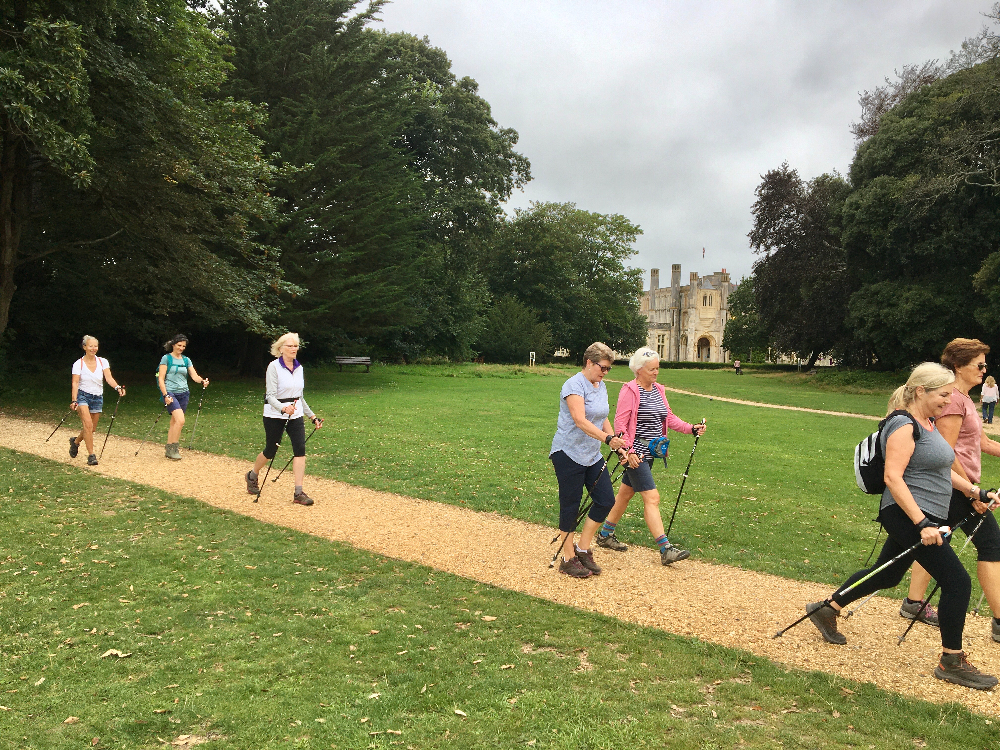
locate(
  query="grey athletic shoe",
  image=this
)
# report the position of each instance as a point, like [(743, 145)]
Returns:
[(824, 617), (996, 629), (587, 560), (909, 611), (671, 554), (253, 487), (91, 460), (611, 542), (74, 447), (301, 498), (574, 568), (956, 668), (173, 451)]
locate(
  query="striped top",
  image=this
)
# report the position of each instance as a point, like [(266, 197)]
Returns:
[(649, 420)]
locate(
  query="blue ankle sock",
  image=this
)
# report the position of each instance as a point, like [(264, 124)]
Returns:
[(661, 542), (607, 529)]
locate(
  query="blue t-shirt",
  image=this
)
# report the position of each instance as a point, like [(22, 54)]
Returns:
[(176, 379), (569, 438)]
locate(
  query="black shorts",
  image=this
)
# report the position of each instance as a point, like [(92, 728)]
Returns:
[(273, 429)]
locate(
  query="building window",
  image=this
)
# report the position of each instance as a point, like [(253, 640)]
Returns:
[(661, 345), (706, 300)]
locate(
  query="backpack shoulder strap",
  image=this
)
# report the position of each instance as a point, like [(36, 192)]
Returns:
[(900, 413)]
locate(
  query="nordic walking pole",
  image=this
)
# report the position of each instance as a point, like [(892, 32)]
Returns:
[(113, 415), (552, 562), (982, 596), (200, 402), (867, 599), (59, 425), (927, 599), (151, 430), (684, 478), (284, 427), (315, 427)]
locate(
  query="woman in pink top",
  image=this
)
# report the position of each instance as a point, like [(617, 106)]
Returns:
[(643, 414), (960, 425)]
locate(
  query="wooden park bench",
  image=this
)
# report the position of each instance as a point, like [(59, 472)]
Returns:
[(366, 361)]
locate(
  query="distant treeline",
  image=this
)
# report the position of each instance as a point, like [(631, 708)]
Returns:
[(237, 168), (886, 265)]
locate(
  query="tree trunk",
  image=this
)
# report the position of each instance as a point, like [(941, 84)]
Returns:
[(14, 194), (812, 360)]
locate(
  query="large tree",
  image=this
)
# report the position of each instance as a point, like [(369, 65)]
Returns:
[(744, 334), (800, 281), (569, 266), (127, 182)]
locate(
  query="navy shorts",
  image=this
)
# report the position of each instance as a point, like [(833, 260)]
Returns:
[(94, 404), (640, 479), (180, 401)]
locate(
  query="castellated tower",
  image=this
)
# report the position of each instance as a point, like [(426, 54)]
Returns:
[(686, 322)]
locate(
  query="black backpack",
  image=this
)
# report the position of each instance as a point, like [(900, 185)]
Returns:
[(869, 463)]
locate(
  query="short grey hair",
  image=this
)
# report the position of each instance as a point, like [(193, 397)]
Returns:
[(598, 351), (641, 357), (86, 339)]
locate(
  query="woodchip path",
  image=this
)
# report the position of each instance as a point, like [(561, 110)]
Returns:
[(715, 603)]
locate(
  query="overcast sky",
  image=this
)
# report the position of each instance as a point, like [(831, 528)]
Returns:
[(668, 112)]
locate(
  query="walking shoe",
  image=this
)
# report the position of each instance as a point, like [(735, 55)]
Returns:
[(173, 451), (611, 542), (573, 567), (671, 554), (253, 488), (824, 617), (74, 447), (587, 560), (302, 499), (909, 610), (91, 460), (955, 668), (996, 629)]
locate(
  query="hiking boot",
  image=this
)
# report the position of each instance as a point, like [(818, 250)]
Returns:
[(91, 460), (909, 610), (587, 560), (996, 629), (611, 542), (74, 448), (301, 498), (253, 488), (955, 668), (824, 617), (173, 451), (671, 554), (574, 568)]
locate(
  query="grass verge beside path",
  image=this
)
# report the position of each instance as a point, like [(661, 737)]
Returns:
[(253, 636), (769, 490)]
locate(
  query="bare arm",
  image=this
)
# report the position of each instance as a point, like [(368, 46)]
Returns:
[(74, 390), (579, 414), (112, 382), (161, 375), (197, 378)]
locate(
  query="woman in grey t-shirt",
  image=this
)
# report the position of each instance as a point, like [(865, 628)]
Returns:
[(919, 478), (582, 426)]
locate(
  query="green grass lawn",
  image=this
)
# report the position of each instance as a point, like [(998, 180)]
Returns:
[(259, 637), (770, 490)]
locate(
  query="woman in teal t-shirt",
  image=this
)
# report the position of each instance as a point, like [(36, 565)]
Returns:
[(172, 378)]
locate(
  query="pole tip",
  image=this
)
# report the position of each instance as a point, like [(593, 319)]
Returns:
[(778, 634)]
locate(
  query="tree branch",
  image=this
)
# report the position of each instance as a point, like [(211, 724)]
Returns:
[(66, 246)]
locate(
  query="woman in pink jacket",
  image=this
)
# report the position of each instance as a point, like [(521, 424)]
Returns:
[(643, 414)]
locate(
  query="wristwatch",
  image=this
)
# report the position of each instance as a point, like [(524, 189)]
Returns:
[(607, 439), (926, 522)]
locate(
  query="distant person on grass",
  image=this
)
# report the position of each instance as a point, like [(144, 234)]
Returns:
[(959, 424), (738, 367), (916, 502), (643, 414), (576, 456), (172, 378), (284, 410), (87, 391), (990, 396)]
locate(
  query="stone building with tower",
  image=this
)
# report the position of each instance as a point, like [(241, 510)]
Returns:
[(686, 322)]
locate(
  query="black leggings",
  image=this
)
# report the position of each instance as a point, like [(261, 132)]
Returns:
[(572, 478), (941, 562), (274, 426)]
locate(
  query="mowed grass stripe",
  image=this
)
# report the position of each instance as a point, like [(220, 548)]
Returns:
[(249, 635)]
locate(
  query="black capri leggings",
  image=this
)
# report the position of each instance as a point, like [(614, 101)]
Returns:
[(941, 562), (274, 426), (572, 477)]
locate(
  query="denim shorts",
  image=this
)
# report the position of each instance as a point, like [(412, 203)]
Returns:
[(180, 401), (95, 404), (640, 479)]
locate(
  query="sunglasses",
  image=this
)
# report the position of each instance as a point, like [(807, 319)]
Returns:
[(981, 366), (604, 368)]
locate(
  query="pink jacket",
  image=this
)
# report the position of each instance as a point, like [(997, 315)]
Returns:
[(627, 413)]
